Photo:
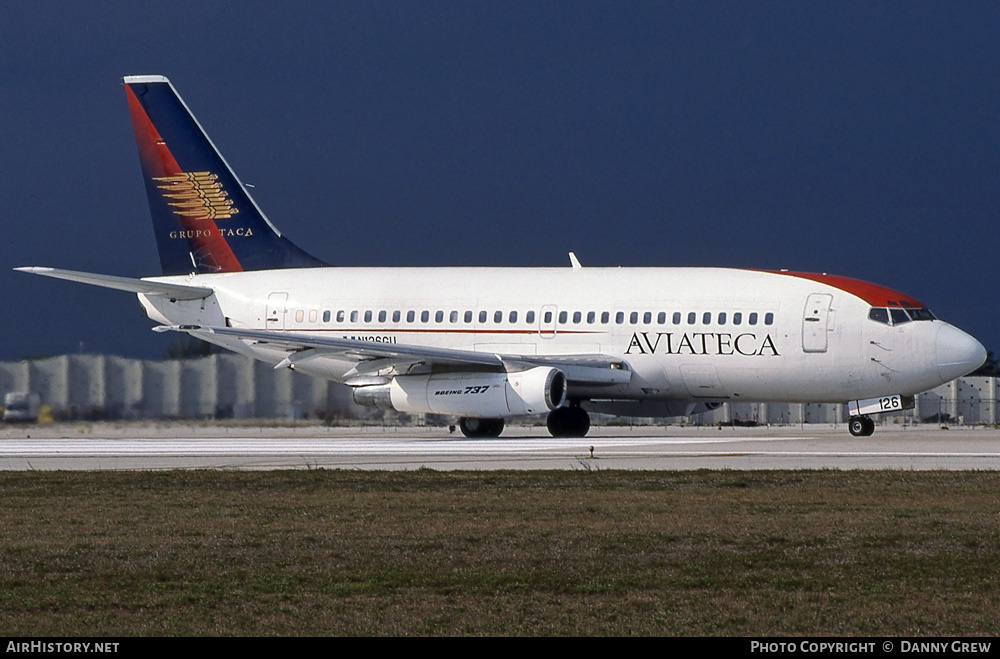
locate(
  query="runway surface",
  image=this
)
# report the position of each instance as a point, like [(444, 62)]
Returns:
[(177, 446)]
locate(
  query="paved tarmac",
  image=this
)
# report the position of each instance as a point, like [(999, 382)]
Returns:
[(143, 446)]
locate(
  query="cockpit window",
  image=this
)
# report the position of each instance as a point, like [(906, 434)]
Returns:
[(879, 315), (894, 316), (920, 314), (899, 316)]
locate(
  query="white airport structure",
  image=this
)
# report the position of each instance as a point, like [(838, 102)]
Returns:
[(225, 386), (215, 387)]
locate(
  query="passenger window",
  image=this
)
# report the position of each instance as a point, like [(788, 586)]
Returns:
[(482, 316), (498, 317), (722, 317), (753, 318), (312, 315), (692, 318), (677, 318), (411, 315), (453, 317), (512, 317), (381, 316), (620, 317), (548, 317), (737, 318), (425, 316), (395, 316), (340, 316), (591, 317), (530, 318), (562, 317), (605, 317), (647, 318), (368, 316), (633, 317), (326, 316), (661, 318), (769, 318), (438, 316), (577, 317), (879, 315), (468, 316), (706, 318), (354, 316), (299, 316)]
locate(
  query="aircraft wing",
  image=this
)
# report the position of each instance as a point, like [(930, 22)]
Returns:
[(592, 370)]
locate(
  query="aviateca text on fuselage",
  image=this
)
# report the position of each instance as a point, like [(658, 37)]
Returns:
[(488, 344)]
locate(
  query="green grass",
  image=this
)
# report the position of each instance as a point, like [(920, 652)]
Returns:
[(598, 552)]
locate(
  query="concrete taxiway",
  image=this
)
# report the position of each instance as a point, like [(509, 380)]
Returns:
[(180, 446)]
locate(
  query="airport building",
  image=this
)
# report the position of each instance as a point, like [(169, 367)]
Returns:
[(228, 386), (965, 401), (216, 387)]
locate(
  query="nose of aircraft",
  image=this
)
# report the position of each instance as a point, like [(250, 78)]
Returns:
[(958, 353)]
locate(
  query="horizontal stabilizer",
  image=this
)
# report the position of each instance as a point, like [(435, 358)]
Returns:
[(144, 286)]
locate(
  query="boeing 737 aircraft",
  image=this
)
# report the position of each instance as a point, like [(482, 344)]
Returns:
[(488, 344)]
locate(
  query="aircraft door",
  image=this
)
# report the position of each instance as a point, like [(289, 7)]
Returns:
[(276, 311), (815, 322)]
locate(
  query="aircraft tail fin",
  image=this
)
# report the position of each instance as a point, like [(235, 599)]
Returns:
[(203, 217)]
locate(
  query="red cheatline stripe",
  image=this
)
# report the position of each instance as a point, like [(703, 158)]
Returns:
[(429, 331)]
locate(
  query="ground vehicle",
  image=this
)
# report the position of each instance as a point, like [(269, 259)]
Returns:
[(21, 406)]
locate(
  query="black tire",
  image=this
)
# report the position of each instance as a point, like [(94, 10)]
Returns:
[(475, 427), (579, 422), (568, 422), (495, 427), (861, 426)]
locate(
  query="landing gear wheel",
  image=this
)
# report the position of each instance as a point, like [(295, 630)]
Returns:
[(568, 422), (861, 426), (474, 427)]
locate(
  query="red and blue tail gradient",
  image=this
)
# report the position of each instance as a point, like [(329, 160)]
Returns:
[(203, 217)]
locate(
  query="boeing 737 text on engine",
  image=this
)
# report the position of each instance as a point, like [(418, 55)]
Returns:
[(488, 344)]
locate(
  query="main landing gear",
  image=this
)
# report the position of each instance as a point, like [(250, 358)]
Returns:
[(861, 426), (572, 421), (475, 428)]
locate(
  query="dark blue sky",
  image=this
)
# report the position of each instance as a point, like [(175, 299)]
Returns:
[(861, 139)]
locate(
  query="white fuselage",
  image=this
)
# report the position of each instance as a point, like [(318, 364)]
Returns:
[(685, 333)]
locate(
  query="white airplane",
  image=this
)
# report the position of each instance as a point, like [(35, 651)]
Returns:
[(488, 344)]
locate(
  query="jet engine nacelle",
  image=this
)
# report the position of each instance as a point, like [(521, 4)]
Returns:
[(485, 395)]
